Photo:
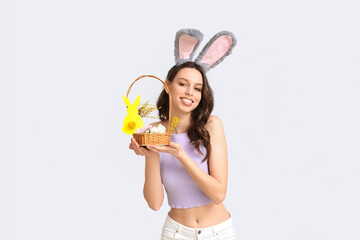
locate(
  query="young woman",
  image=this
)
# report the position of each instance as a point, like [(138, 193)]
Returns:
[(194, 167)]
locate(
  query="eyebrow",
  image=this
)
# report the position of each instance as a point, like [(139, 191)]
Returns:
[(188, 81)]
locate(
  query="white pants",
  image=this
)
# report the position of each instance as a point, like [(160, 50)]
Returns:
[(175, 230)]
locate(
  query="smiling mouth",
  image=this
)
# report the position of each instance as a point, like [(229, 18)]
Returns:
[(186, 101)]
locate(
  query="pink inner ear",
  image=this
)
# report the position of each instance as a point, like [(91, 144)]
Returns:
[(186, 46), (218, 49)]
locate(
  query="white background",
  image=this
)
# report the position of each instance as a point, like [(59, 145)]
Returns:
[(288, 97)]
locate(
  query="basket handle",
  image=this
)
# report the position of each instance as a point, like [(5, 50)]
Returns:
[(166, 89)]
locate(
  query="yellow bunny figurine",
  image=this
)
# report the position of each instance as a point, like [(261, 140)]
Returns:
[(133, 120)]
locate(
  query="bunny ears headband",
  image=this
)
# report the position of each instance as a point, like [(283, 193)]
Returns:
[(214, 52)]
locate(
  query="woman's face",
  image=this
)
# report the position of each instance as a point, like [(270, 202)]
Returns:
[(186, 90)]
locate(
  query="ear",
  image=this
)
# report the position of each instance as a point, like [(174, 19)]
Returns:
[(186, 43), (167, 82), (137, 101), (216, 50), (127, 102)]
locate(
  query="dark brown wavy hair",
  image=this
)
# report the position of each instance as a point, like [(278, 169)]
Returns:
[(199, 116)]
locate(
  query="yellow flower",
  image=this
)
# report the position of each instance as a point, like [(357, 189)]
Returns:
[(146, 109), (174, 123)]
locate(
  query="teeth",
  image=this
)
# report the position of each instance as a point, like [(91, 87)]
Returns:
[(186, 100)]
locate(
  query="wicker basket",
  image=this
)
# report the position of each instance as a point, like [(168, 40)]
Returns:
[(146, 139)]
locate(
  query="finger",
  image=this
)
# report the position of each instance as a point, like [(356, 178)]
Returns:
[(135, 142), (137, 150), (155, 147), (144, 149), (174, 145), (135, 145), (131, 146), (165, 147), (160, 148), (152, 149)]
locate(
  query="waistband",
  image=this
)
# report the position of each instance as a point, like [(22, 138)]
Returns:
[(172, 224)]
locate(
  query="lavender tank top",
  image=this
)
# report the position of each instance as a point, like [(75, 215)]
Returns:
[(181, 190)]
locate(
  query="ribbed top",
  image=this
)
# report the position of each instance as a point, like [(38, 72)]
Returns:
[(182, 191)]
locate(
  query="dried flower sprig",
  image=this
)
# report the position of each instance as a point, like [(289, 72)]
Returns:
[(145, 110), (174, 123)]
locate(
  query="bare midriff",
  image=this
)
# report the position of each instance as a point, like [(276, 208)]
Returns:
[(200, 217)]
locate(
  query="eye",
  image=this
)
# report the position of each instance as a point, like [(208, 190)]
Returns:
[(182, 84), (198, 89)]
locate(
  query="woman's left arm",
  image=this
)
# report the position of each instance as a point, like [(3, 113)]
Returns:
[(215, 184)]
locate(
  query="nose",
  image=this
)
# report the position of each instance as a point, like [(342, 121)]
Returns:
[(189, 91)]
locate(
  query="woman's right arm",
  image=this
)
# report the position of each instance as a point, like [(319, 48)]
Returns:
[(153, 190)]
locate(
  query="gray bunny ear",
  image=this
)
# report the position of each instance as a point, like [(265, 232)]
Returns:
[(186, 43), (216, 50)]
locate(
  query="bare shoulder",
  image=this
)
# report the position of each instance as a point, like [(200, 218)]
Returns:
[(214, 124)]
